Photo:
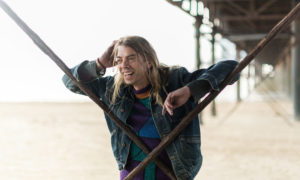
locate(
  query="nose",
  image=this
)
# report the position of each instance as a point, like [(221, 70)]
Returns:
[(124, 63)]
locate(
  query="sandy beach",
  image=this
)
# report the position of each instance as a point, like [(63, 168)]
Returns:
[(70, 141)]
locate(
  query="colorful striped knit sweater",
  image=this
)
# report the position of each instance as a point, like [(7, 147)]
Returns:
[(142, 122)]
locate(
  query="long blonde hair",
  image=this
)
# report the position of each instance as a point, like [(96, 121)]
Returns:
[(144, 49)]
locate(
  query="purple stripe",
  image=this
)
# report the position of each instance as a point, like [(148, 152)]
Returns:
[(141, 109), (147, 88), (151, 143), (139, 116), (160, 175), (137, 121), (131, 164)]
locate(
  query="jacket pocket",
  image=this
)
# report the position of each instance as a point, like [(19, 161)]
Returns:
[(190, 151)]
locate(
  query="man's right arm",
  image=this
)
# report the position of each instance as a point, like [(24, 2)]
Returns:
[(91, 72), (87, 73)]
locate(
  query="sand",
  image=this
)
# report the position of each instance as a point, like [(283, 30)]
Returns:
[(70, 141)]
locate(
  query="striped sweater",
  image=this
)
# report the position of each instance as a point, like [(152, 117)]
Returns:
[(142, 122)]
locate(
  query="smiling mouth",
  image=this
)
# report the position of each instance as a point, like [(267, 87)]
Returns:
[(128, 74)]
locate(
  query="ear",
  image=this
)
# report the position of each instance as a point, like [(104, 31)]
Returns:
[(149, 66)]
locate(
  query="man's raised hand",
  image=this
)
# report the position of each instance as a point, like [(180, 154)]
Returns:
[(176, 99), (106, 59)]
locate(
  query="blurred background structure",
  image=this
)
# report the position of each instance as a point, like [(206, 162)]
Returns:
[(245, 23), (251, 131)]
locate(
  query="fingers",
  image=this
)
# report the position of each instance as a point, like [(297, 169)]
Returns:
[(163, 110), (167, 109), (168, 105), (170, 111)]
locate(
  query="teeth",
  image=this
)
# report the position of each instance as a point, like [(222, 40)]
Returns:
[(128, 73)]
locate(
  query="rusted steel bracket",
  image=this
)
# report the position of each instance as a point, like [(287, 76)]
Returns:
[(168, 139), (41, 44)]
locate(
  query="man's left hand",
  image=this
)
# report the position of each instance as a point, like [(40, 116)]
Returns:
[(176, 99)]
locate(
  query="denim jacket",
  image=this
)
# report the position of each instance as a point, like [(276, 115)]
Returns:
[(184, 152)]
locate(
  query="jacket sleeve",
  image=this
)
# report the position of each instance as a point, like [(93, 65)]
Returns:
[(202, 81), (86, 73)]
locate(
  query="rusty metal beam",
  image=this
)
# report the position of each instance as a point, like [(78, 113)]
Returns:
[(265, 6), (258, 17), (254, 37), (237, 7), (248, 22), (252, 7), (179, 5)]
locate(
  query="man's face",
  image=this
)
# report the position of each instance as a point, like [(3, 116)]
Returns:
[(132, 67)]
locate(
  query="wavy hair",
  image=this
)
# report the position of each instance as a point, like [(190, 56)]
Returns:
[(144, 49)]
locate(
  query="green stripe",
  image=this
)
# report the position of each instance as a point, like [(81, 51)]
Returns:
[(138, 155)]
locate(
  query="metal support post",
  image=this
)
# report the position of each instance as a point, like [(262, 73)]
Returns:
[(238, 85), (213, 61), (197, 25), (296, 68)]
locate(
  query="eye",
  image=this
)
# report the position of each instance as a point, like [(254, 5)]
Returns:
[(118, 61), (131, 58)]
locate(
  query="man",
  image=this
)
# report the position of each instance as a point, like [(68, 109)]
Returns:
[(152, 99)]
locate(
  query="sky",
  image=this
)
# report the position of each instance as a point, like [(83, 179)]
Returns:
[(78, 30)]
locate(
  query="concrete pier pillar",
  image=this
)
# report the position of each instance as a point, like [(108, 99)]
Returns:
[(238, 85), (295, 53), (213, 59), (258, 72), (197, 26)]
